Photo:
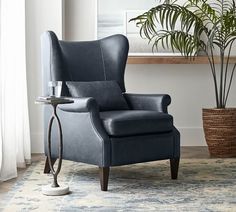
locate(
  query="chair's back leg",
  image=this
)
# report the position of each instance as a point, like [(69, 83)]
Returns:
[(104, 176), (47, 167), (174, 167)]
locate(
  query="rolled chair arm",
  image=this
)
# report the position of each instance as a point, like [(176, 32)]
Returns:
[(156, 102), (81, 105), (87, 140)]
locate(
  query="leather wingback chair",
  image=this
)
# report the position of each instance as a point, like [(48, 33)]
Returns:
[(142, 133)]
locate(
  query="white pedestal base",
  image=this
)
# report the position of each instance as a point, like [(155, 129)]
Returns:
[(55, 191)]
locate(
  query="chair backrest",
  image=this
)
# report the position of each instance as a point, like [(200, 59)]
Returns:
[(97, 60)]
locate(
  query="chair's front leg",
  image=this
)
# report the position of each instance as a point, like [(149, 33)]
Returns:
[(174, 167), (104, 176)]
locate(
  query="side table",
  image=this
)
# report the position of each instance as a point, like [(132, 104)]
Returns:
[(54, 189)]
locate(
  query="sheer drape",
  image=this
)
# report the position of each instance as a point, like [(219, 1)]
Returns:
[(14, 118)]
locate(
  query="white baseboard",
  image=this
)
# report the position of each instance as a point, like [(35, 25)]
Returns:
[(190, 136)]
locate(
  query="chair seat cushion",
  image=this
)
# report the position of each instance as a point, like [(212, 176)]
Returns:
[(135, 122)]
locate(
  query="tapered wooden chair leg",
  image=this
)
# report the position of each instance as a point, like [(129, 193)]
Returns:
[(104, 176), (174, 167), (47, 167)]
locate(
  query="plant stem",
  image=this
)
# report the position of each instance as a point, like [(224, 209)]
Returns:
[(212, 66), (230, 82), (221, 78), (214, 77), (226, 72)]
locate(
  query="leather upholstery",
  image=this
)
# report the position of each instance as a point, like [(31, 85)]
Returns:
[(84, 138), (82, 104), (136, 122), (156, 102), (107, 93), (144, 148), (99, 60), (90, 136)]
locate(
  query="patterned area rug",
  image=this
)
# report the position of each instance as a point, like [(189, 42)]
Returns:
[(203, 185)]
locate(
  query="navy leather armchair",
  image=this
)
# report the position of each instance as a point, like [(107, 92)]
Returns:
[(142, 132)]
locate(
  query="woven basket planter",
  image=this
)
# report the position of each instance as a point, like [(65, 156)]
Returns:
[(220, 131)]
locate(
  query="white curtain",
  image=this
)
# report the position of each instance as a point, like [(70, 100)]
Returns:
[(14, 118)]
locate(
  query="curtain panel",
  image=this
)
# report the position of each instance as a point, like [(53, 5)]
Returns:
[(14, 118)]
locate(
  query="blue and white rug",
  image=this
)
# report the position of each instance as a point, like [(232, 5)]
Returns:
[(203, 185)]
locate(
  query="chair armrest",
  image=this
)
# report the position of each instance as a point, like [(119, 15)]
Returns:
[(80, 105), (156, 102), (83, 131)]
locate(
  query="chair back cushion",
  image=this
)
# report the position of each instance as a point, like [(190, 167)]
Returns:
[(107, 93)]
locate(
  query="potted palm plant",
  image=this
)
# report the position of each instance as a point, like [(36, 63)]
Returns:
[(207, 26)]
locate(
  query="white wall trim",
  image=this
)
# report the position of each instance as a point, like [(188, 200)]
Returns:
[(96, 20), (63, 18)]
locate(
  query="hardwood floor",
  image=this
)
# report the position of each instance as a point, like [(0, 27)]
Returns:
[(194, 152), (186, 152)]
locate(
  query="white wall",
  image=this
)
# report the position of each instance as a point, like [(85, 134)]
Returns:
[(41, 15), (191, 89), (190, 86), (77, 11)]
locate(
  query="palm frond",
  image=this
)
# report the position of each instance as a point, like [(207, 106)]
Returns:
[(167, 16), (204, 25), (185, 43)]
